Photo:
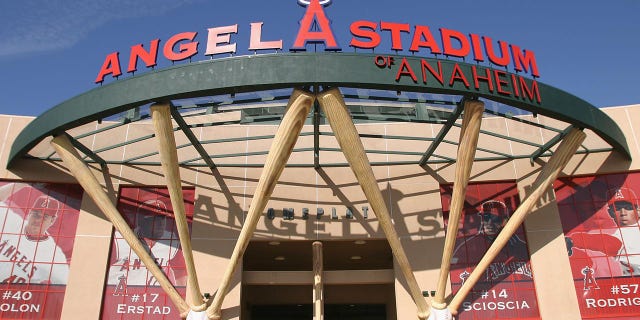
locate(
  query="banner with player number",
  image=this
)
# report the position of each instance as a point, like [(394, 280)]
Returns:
[(131, 291), (37, 230), (599, 216), (506, 291)]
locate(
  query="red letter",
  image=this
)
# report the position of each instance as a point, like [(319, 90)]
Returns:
[(423, 32), (359, 29), (449, 50), (185, 50), (458, 75), (395, 28), (477, 78), (477, 48), (409, 72), (256, 42), (523, 59), (514, 85), (314, 10), (498, 74), (149, 58), (426, 66), (111, 66), (218, 36), (504, 52), (530, 93)]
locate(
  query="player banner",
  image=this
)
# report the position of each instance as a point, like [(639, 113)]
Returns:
[(37, 230), (599, 217), (506, 291), (131, 291)]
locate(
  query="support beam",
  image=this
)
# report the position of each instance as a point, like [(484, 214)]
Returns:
[(192, 137), (473, 110), (443, 132), (541, 185), (316, 135), (345, 132), (92, 187), (318, 282), (87, 151), (161, 118), (549, 144), (281, 147)]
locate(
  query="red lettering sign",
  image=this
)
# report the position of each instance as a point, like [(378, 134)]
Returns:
[(110, 66), (364, 29), (423, 32), (219, 40), (315, 27), (185, 50), (256, 42), (324, 35), (149, 58), (448, 36)]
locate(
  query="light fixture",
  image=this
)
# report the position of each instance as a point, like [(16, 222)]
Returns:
[(279, 258), (355, 258)]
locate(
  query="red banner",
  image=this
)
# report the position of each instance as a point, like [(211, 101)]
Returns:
[(38, 226), (599, 216), (506, 291), (132, 292)]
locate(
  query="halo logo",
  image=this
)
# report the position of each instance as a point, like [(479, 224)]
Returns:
[(305, 3), (315, 27)]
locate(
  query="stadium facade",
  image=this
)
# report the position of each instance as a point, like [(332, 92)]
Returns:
[(327, 185)]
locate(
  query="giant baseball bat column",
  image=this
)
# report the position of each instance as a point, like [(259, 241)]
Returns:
[(345, 132), (318, 296), (281, 147), (542, 183), (161, 117), (90, 184), (473, 111)]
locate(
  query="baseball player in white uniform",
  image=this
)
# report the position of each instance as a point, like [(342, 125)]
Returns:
[(151, 228), (28, 254)]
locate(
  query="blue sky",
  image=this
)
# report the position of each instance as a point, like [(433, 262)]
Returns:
[(52, 50)]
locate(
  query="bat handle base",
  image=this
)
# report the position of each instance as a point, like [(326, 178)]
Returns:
[(440, 314)]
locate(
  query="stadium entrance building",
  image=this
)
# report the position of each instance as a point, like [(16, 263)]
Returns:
[(324, 185)]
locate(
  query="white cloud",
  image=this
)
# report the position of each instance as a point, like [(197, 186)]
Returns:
[(28, 26)]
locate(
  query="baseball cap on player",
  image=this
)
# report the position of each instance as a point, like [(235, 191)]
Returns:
[(155, 206), (47, 205), (494, 211), (621, 198), (494, 215), (152, 218)]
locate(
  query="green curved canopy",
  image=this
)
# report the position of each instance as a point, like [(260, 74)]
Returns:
[(277, 71)]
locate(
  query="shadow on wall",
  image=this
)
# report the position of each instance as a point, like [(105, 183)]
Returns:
[(353, 217)]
